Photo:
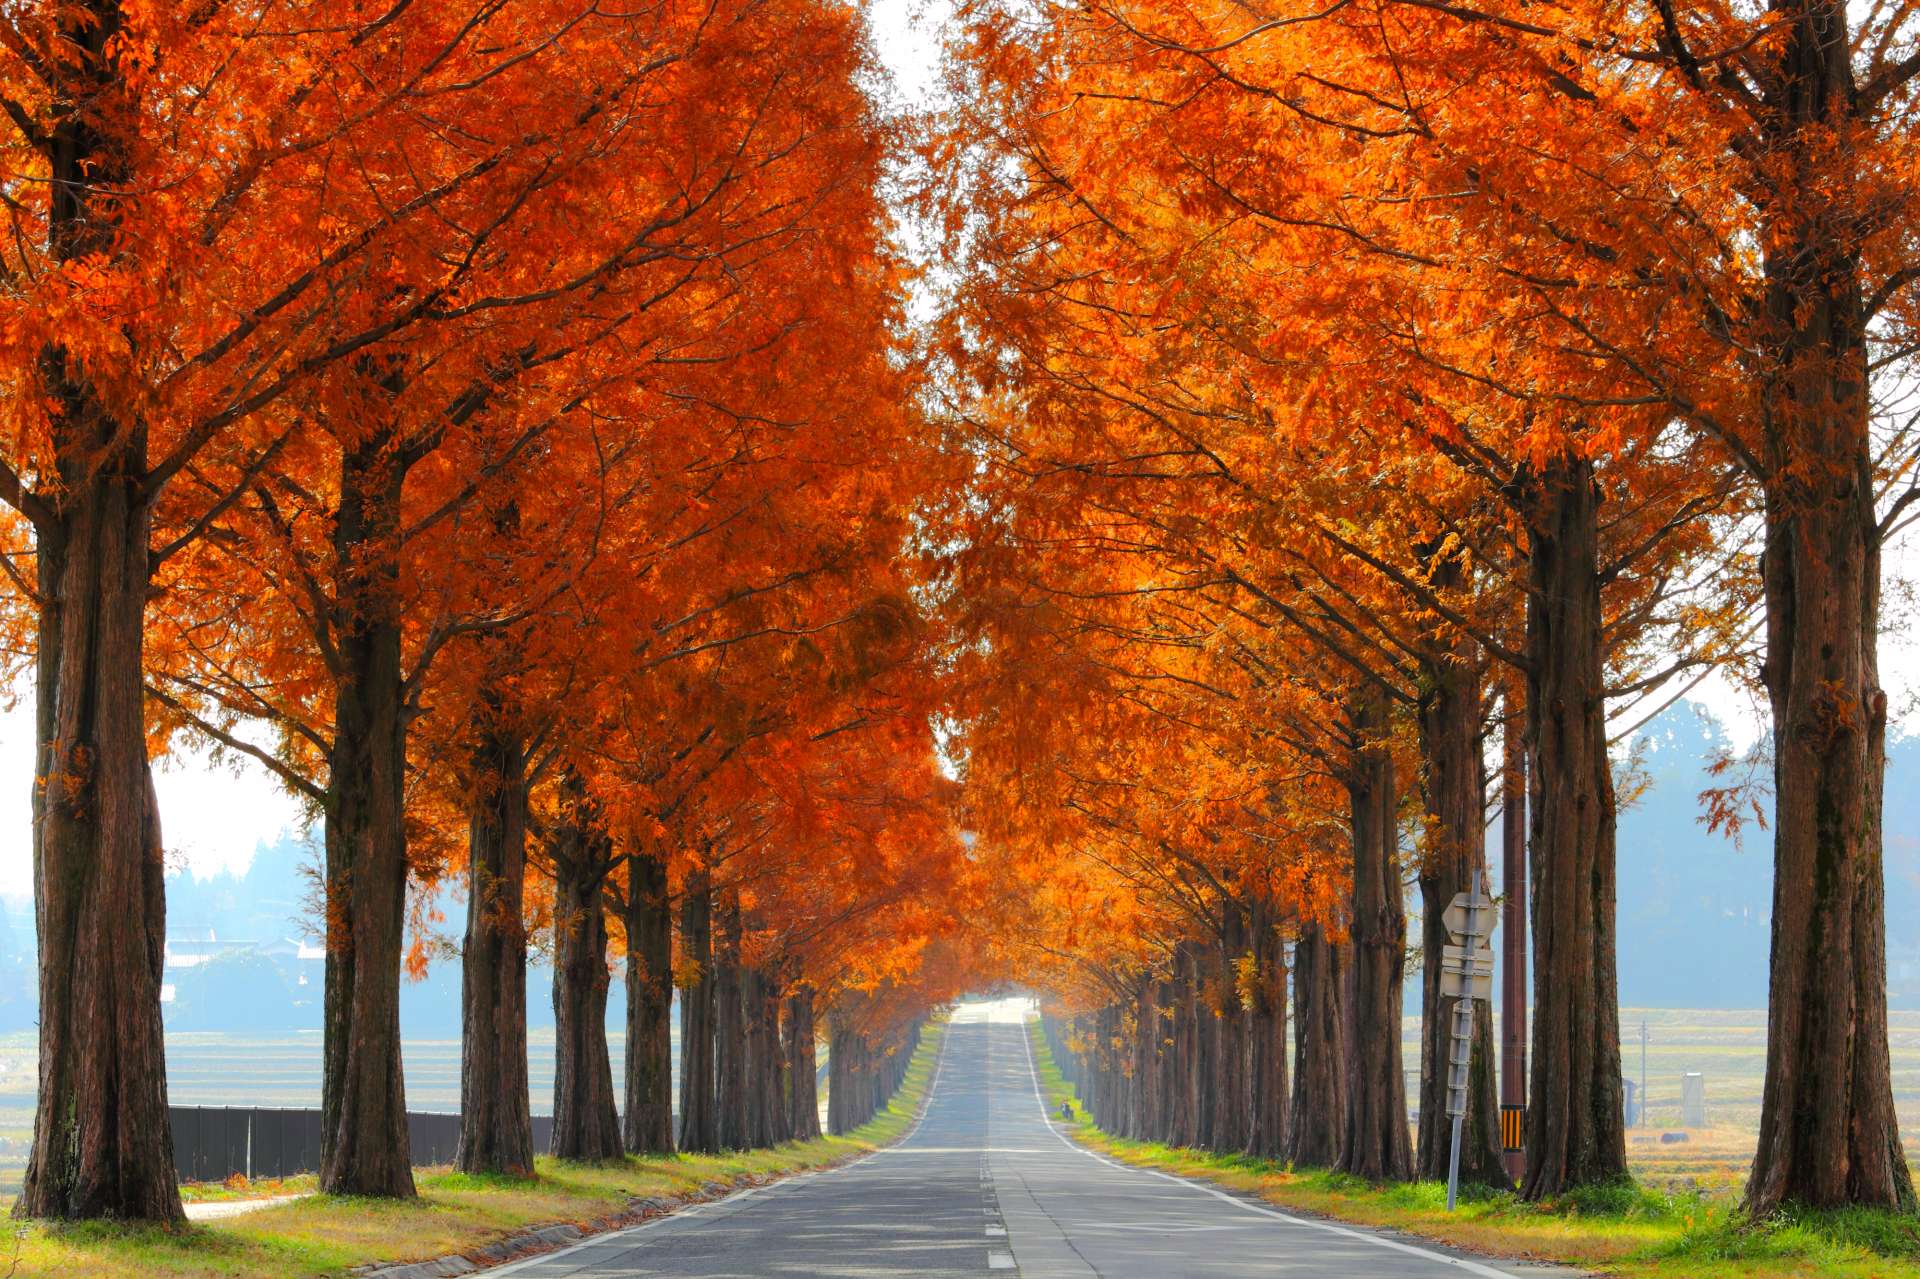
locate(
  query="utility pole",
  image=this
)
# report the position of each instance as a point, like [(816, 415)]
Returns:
[(1643, 1072), (1513, 945)]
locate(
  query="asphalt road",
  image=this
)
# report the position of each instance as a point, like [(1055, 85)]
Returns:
[(986, 1185)]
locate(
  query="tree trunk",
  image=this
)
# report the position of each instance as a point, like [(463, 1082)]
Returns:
[(585, 1125), (1183, 1123), (1829, 1135), (1143, 1120), (730, 1032), (698, 1128), (1575, 1128), (102, 1146), (1450, 754), (842, 1073), (756, 1126), (1267, 1033), (363, 1138), (496, 1124), (649, 1081), (1377, 1145), (803, 1072), (1318, 1123)]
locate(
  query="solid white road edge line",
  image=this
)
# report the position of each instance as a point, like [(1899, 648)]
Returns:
[(1471, 1267), (693, 1211)]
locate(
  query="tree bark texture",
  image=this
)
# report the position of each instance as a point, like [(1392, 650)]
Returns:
[(1450, 756), (1829, 1135), (1318, 1123), (649, 1067), (1575, 1125), (496, 1122), (102, 1146), (363, 1146), (699, 1124), (586, 1127), (1377, 1146)]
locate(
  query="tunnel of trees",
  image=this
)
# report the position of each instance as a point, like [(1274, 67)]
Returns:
[(1145, 582)]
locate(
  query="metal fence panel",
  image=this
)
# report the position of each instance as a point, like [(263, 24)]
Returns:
[(212, 1143)]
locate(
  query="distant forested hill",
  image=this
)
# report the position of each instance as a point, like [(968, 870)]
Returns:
[(1694, 906)]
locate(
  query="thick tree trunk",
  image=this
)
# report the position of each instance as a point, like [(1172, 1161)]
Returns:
[(1143, 1119), (649, 1072), (585, 1125), (766, 1086), (803, 1071), (1267, 1035), (1575, 1127), (496, 1124), (1829, 1135), (1184, 1122), (730, 1031), (102, 1146), (1232, 1086), (1318, 1123), (699, 1130), (363, 1138), (843, 1069), (1450, 754), (1377, 1145)]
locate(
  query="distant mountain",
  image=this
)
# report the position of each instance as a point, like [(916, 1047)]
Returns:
[(243, 953)]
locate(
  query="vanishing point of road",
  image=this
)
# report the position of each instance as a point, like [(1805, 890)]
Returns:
[(986, 1185)]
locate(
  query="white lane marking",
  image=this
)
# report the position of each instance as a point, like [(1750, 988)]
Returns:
[(693, 1211), (999, 1261), (996, 1232), (1471, 1267)]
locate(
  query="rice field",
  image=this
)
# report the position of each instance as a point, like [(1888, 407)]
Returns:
[(1728, 1047), (206, 1069)]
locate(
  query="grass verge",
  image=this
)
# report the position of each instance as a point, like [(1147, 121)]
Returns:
[(326, 1235), (1625, 1230)]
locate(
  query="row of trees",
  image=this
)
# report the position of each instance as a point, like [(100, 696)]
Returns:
[(1358, 388), (467, 412)]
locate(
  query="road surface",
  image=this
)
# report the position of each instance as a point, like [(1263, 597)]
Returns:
[(986, 1185)]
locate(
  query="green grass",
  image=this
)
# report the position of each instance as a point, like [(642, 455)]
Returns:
[(326, 1235), (1630, 1229)]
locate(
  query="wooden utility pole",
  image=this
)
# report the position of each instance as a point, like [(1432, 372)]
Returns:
[(1513, 944)]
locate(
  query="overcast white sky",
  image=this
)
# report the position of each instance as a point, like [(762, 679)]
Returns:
[(215, 816)]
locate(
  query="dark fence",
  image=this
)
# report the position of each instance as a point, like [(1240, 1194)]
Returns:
[(212, 1143)]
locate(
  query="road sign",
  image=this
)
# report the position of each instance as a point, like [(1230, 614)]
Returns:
[(1479, 905), (1458, 959), (1466, 974)]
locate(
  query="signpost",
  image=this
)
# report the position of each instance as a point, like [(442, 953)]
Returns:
[(1466, 974)]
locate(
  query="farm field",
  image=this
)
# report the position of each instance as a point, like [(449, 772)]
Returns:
[(207, 1069), (1727, 1046)]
